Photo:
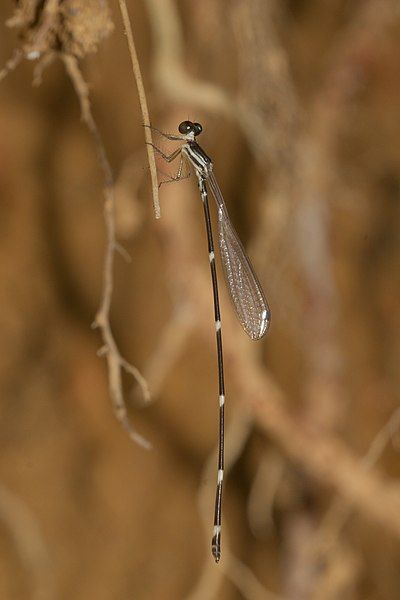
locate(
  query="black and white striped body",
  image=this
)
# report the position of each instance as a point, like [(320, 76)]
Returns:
[(216, 540), (245, 290), (201, 162), (203, 167)]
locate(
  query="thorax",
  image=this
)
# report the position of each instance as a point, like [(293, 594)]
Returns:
[(199, 159)]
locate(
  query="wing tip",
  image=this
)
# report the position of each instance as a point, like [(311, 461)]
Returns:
[(265, 323)]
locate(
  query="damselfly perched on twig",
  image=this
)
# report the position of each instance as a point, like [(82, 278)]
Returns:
[(245, 290)]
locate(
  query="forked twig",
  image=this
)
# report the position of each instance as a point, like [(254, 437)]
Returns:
[(116, 363), (36, 45), (143, 106)]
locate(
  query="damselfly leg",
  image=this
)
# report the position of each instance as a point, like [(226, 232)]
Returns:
[(170, 158)]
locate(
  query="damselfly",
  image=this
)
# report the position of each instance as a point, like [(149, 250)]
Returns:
[(244, 288)]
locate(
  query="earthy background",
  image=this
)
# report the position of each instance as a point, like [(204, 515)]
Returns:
[(300, 107)]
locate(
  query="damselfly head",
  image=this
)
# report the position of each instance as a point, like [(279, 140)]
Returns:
[(187, 127)]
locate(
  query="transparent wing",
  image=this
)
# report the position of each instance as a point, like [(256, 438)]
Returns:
[(245, 290)]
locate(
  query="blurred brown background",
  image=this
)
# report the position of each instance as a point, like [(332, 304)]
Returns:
[(300, 107)]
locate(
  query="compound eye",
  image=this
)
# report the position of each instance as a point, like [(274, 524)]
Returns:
[(197, 128), (185, 127)]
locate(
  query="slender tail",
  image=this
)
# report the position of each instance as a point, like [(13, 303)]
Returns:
[(216, 539)]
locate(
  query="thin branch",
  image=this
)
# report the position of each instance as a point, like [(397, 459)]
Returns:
[(143, 106), (116, 363)]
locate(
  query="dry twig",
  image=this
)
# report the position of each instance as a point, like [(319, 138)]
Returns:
[(143, 105), (44, 31), (116, 363)]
